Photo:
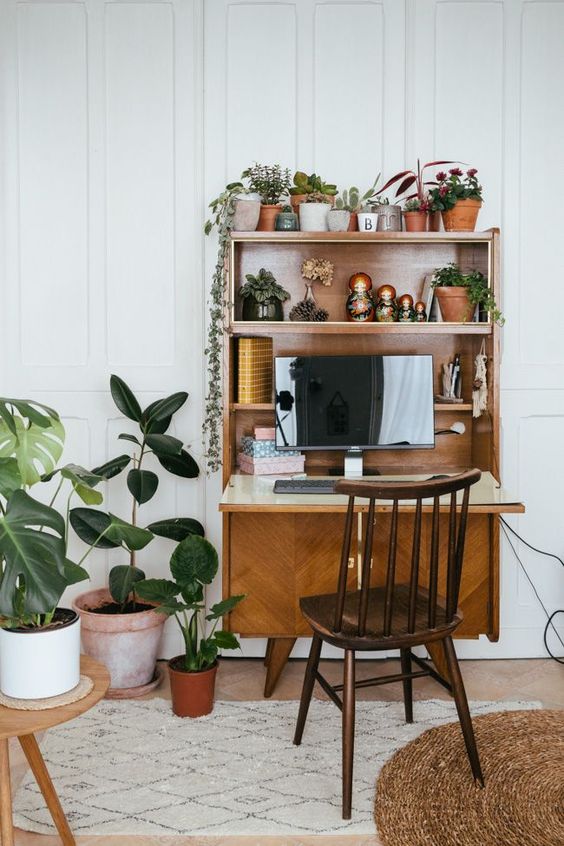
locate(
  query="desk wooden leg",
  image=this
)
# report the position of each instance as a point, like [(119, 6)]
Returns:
[(278, 654), (437, 654), (6, 827), (37, 764)]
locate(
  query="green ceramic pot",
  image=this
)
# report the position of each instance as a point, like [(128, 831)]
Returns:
[(286, 222), (270, 309)]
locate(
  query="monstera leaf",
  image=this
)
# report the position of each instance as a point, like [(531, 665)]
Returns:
[(37, 556), (36, 448)]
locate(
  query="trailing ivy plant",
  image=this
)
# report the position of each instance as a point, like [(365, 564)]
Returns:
[(106, 531)]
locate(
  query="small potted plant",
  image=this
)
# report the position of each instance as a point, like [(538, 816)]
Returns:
[(351, 201), (415, 179), (458, 197), (271, 183), (459, 293), (39, 641), (287, 220), (193, 565), (117, 629), (314, 211), (416, 215), (303, 185), (262, 297)]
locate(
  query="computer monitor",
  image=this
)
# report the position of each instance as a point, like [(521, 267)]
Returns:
[(354, 402)]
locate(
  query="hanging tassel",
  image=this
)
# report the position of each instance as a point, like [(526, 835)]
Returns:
[(480, 384)]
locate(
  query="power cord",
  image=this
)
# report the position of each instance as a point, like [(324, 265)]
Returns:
[(550, 617)]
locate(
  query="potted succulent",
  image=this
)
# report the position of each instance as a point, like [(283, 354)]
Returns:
[(350, 200), (117, 629), (39, 641), (193, 565), (313, 212), (459, 293), (303, 185), (287, 220), (416, 215), (262, 297), (458, 197), (271, 183)]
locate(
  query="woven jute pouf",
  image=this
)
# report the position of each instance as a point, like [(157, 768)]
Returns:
[(426, 795)]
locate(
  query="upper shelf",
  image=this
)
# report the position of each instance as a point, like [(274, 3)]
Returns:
[(364, 237), (290, 327)]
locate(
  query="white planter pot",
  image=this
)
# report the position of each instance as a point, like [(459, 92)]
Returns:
[(38, 663), (367, 222), (313, 217), (246, 215), (338, 220)]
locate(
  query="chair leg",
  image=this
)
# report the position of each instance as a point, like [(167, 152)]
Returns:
[(307, 689), (405, 657), (348, 732), (463, 710)]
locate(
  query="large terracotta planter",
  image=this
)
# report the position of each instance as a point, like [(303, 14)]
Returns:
[(455, 304), (415, 221), (127, 644), (462, 217), (192, 693), (267, 217)]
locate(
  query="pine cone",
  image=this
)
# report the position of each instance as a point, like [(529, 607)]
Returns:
[(307, 310)]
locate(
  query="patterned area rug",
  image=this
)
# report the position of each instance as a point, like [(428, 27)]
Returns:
[(134, 768)]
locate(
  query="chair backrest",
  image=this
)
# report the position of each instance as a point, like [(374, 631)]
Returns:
[(409, 494)]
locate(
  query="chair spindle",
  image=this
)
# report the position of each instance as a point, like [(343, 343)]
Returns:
[(434, 564), (343, 570), (365, 580), (414, 581), (391, 572)]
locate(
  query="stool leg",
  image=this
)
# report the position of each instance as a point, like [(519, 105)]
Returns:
[(407, 684), (6, 827), (37, 764)]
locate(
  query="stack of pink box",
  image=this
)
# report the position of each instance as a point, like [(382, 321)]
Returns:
[(274, 462)]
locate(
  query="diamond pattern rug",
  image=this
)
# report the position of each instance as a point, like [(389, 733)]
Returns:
[(134, 768)]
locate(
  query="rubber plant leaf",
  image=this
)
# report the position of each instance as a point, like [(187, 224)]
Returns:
[(166, 407), (132, 536), (90, 524), (176, 528), (142, 485), (36, 556), (125, 436), (194, 560), (164, 444), (125, 399), (180, 465), (155, 426), (37, 449), (112, 467), (122, 581), (10, 478)]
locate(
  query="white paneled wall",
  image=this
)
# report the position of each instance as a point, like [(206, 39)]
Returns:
[(120, 120)]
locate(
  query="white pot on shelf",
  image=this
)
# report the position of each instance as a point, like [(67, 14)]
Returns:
[(313, 217), (41, 662), (367, 222)]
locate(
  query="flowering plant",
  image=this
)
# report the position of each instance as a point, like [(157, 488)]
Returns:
[(416, 205), (453, 187)]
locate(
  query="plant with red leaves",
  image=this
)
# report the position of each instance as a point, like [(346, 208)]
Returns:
[(414, 178)]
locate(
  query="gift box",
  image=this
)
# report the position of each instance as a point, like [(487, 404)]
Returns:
[(266, 466), (265, 433), (264, 449)]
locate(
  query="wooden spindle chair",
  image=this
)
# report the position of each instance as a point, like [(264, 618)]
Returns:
[(397, 615)]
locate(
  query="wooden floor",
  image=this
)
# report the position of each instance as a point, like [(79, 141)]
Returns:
[(241, 679)]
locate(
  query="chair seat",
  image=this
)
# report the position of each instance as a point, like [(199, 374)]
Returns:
[(319, 611)]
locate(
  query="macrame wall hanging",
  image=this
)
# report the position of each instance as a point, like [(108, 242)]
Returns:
[(480, 384)]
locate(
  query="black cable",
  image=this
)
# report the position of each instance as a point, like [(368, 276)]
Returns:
[(550, 617)]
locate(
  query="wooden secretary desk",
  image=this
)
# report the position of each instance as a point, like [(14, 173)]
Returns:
[(277, 548)]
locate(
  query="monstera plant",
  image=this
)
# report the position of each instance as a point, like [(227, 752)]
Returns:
[(114, 620)]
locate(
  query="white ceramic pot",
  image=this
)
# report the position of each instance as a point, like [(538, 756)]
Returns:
[(367, 222), (338, 220), (38, 663), (246, 215), (313, 217)]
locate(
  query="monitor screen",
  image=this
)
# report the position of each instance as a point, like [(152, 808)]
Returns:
[(364, 401)]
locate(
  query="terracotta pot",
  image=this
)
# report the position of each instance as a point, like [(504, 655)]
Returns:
[(267, 217), (455, 304), (127, 644), (435, 221), (295, 200), (192, 693), (462, 217), (353, 222), (415, 221), (246, 215)]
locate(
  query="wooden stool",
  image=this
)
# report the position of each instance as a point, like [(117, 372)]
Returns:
[(23, 725)]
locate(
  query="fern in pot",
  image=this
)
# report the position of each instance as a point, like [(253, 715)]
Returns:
[(117, 629), (193, 566), (39, 640), (262, 297)]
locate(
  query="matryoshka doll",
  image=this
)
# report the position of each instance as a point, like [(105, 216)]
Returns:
[(386, 308), (420, 313), (406, 312), (360, 305)]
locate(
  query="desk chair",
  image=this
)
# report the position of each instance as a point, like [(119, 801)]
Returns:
[(396, 616)]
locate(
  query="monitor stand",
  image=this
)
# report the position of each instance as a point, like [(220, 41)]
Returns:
[(353, 464)]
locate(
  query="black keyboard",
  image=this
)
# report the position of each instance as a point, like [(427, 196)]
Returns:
[(305, 486)]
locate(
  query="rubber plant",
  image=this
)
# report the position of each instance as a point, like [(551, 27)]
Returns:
[(106, 531), (34, 566)]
